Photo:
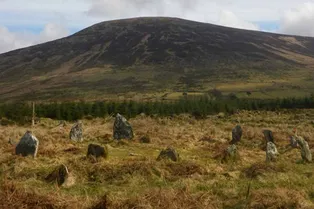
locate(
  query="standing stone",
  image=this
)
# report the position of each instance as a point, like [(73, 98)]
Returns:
[(97, 151), (305, 150), (28, 145), (59, 175), (236, 134), (293, 142), (76, 132), (230, 154), (271, 152), (122, 128), (168, 153), (268, 134)]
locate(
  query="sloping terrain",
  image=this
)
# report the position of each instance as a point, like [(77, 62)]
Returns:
[(142, 56)]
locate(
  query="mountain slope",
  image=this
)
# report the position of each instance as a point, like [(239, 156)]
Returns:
[(141, 56)]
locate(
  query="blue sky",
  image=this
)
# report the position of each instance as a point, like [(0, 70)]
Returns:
[(28, 22), (36, 29), (271, 26)]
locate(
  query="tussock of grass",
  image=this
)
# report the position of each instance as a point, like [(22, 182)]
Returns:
[(259, 169)]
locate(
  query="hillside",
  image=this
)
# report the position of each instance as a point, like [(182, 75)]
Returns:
[(150, 58)]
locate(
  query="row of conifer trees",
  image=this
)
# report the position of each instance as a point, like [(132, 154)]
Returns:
[(196, 106)]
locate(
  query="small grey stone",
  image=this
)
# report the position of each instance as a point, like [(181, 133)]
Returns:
[(230, 154), (168, 153), (76, 133), (232, 150), (305, 150), (28, 145), (122, 128), (236, 134), (271, 152), (293, 142)]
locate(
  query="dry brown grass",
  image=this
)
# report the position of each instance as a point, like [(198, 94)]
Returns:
[(132, 177)]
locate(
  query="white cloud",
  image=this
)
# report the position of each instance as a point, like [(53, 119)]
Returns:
[(14, 40), (299, 21), (53, 31), (199, 10), (132, 8), (10, 41), (229, 19)]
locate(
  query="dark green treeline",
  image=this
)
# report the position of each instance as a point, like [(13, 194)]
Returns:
[(197, 106)]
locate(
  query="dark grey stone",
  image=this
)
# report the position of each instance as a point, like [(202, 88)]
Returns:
[(97, 151), (28, 145), (59, 175), (122, 128), (268, 134)]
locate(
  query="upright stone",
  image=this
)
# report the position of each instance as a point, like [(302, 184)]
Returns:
[(271, 152), (122, 128), (236, 134), (305, 150), (268, 134), (28, 145), (168, 153), (293, 142), (59, 175), (76, 133)]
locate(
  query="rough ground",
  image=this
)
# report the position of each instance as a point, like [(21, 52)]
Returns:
[(198, 180)]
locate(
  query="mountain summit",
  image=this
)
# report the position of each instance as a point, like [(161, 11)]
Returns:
[(150, 56)]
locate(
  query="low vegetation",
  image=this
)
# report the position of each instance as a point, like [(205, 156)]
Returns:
[(131, 177)]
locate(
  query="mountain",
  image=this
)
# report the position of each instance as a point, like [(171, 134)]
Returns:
[(153, 57)]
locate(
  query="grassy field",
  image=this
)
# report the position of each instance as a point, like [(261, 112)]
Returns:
[(132, 178)]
